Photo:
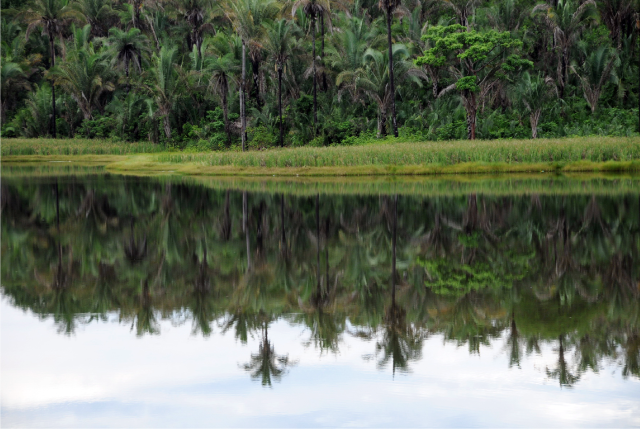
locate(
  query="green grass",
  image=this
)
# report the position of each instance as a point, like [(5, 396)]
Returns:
[(75, 147), (593, 149), (386, 158)]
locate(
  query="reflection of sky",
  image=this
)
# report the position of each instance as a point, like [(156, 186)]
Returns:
[(104, 376)]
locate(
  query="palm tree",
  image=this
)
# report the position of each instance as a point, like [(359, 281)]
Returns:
[(312, 8), (266, 364), (595, 72), (52, 16), (222, 70), (278, 46), (247, 17), (567, 20), (166, 85), (97, 13), (389, 6), (127, 46), (196, 12), (534, 92), (12, 80), (617, 15), (372, 79), (463, 9), (85, 75)]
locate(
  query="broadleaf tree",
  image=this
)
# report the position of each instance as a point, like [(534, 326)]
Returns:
[(475, 60)]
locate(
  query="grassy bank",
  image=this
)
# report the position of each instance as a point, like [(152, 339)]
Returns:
[(593, 149), (48, 147), (592, 154)]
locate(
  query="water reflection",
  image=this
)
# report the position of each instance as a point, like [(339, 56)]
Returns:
[(388, 270)]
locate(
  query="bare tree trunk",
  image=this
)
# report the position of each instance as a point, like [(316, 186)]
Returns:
[(280, 104), (166, 123), (52, 123), (315, 93), (255, 69), (225, 108), (137, 5), (324, 75), (472, 111), (392, 86), (534, 118), (243, 117)]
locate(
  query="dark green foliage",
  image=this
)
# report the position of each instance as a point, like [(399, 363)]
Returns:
[(171, 74)]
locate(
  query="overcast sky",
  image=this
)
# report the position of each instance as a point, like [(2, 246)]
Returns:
[(105, 376)]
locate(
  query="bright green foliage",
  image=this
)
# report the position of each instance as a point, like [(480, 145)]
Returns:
[(476, 61)]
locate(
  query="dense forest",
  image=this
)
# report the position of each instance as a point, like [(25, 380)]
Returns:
[(532, 270), (207, 74)]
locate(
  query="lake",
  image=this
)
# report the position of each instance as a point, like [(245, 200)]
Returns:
[(462, 301)]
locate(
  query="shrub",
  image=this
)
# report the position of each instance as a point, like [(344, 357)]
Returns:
[(261, 138)]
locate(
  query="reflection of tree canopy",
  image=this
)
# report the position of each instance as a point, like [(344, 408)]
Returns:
[(558, 270)]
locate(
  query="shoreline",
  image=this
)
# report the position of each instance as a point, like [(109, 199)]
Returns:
[(146, 165)]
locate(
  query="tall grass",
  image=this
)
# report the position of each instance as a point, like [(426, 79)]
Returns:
[(75, 147), (595, 149)]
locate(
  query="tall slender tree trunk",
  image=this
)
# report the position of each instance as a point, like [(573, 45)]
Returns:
[(126, 72), (225, 108), (534, 118), (391, 84), (280, 104), (137, 5), (52, 123), (471, 108), (315, 94), (255, 69), (166, 123), (324, 75), (243, 117), (394, 233), (638, 31)]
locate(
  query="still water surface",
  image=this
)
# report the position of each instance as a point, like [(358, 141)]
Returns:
[(160, 302)]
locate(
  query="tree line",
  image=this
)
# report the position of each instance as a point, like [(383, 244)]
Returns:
[(534, 270), (208, 74)]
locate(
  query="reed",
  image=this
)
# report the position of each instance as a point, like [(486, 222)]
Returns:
[(589, 149), (75, 147)]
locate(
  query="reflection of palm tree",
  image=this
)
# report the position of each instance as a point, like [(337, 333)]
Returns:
[(562, 372), (325, 328), (632, 355), (105, 298), (145, 320), (201, 306), (513, 343), (266, 364), (401, 343), (135, 251)]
